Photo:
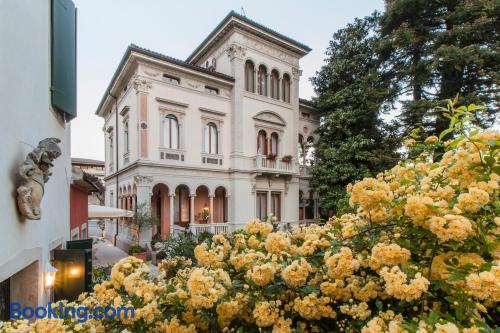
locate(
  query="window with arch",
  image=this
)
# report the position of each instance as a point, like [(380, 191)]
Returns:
[(249, 76), (274, 143), (262, 143), (285, 88), (301, 150), (275, 78), (211, 139), (171, 132), (262, 80)]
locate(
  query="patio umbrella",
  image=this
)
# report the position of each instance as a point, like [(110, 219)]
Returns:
[(105, 212)]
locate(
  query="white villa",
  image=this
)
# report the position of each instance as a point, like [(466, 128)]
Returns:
[(212, 141)]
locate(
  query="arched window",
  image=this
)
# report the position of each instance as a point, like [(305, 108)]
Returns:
[(275, 84), (171, 132), (211, 139), (285, 88), (262, 143), (249, 76), (262, 80), (274, 143), (301, 150)]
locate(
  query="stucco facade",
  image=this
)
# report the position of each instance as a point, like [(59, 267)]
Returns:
[(26, 245), (212, 141)]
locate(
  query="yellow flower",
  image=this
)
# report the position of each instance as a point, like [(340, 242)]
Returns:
[(262, 274), (295, 275), (265, 314), (388, 255), (341, 264)]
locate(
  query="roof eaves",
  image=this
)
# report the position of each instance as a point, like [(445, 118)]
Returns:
[(248, 21), (134, 48)]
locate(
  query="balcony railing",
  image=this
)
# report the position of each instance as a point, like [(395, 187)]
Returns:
[(275, 165), (196, 229)]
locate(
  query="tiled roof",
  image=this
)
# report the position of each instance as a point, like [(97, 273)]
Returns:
[(306, 102), (134, 48), (250, 22), (86, 161)]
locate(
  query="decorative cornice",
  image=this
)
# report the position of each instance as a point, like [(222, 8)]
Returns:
[(215, 112), (143, 180), (171, 102)]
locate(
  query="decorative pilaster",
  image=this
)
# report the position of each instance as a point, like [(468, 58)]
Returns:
[(236, 54), (142, 87)]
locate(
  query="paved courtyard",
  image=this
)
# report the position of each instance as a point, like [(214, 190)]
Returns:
[(105, 253)]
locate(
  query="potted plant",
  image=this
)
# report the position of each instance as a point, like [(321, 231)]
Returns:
[(286, 158), (142, 220), (138, 251), (271, 157)]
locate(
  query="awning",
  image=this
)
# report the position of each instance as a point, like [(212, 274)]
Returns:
[(104, 212)]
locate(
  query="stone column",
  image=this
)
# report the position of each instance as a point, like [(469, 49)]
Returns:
[(171, 213), (211, 200), (191, 208), (229, 216), (268, 203), (143, 185)]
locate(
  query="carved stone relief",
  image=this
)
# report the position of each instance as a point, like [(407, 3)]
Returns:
[(296, 73), (35, 172), (143, 180), (141, 85), (151, 72), (236, 51), (250, 43)]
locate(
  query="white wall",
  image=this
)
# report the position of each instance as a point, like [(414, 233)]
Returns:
[(27, 118)]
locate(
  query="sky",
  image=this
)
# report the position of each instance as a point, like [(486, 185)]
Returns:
[(175, 28)]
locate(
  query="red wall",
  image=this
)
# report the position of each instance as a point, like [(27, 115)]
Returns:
[(78, 202)]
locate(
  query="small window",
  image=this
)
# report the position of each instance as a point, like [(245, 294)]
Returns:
[(211, 140), (211, 90), (285, 88), (274, 143), (305, 115), (171, 132), (126, 137), (171, 79), (262, 80), (249, 76), (275, 84), (262, 143), (261, 207)]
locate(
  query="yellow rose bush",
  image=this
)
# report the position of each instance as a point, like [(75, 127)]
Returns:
[(420, 254)]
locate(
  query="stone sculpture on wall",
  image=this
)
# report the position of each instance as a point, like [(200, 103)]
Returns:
[(35, 172)]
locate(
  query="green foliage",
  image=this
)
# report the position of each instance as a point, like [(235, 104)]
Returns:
[(136, 249), (434, 49), (181, 245), (100, 274), (142, 218), (354, 142)]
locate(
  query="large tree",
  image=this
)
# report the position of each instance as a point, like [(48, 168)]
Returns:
[(435, 49), (352, 92)]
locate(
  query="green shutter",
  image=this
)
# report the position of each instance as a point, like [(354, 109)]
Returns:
[(63, 86)]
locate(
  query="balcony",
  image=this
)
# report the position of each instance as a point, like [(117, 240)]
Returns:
[(274, 165)]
